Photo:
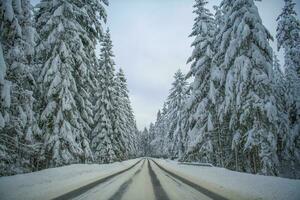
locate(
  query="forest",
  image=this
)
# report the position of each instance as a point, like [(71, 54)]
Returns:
[(63, 103)]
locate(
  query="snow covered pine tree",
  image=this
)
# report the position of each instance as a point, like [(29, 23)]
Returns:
[(129, 123), (288, 37), (175, 102), (107, 141), (249, 113), (17, 39), (68, 32), (201, 102)]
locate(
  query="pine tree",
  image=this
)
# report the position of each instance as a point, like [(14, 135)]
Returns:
[(107, 141), (68, 32), (5, 91), (175, 103), (279, 88), (5, 155), (159, 144), (128, 118), (288, 37), (144, 143), (156, 145), (17, 38), (200, 107), (119, 120), (248, 112)]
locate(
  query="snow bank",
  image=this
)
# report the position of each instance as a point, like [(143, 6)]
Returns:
[(50, 183), (236, 185)]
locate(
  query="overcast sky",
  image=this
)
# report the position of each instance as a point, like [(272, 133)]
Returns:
[(151, 43)]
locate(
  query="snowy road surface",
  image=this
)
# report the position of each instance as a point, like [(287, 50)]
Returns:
[(145, 179)]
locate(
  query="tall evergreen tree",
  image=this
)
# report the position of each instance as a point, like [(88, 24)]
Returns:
[(107, 138), (119, 120), (5, 155), (175, 103), (160, 131), (151, 133), (248, 112), (128, 116), (145, 142), (202, 99), (17, 38), (279, 91), (5, 91), (68, 32), (288, 37)]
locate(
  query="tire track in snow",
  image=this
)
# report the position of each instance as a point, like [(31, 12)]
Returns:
[(201, 189), (159, 192), (79, 191), (123, 188)]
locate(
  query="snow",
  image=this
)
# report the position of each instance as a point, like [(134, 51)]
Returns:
[(50, 183), (49, 110), (2, 66), (58, 12), (236, 185), (2, 121), (175, 189), (142, 184), (134, 184), (5, 94), (9, 12)]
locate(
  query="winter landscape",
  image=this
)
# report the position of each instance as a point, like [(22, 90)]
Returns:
[(149, 99)]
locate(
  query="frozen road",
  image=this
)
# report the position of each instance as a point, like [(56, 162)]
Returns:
[(145, 180)]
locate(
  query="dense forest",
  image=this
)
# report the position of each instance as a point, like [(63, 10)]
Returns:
[(60, 102)]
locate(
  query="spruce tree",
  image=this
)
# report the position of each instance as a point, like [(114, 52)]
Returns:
[(68, 32), (5, 154), (175, 103), (202, 99), (248, 112), (107, 141), (5, 92), (128, 118), (17, 38), (145, 143), (119, 120), (157, 144), (288, 38), (279, 91)]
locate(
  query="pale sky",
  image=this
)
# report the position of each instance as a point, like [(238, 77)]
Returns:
[(151, 43)]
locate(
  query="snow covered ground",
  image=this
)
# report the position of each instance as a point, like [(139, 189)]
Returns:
[(50, 183), (147, 181), (236, 185)]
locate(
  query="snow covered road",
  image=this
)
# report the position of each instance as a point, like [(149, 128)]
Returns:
[(145, 179)]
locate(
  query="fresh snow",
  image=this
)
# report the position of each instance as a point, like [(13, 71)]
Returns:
[(2, 66), (53, 182), (236, 185)]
